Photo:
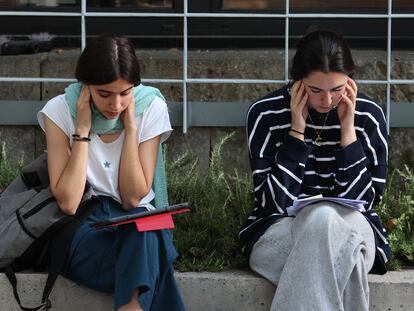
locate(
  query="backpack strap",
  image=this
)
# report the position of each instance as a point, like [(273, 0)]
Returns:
[(13, 281), (50, 249), (61, 243)]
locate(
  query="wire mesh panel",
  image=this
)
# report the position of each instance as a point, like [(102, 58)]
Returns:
[(284, 12)]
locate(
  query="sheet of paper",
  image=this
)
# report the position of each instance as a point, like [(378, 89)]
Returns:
[(357, 205)]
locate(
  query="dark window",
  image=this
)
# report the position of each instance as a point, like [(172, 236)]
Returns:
[(318, 5), (208, 32), (91, 3)]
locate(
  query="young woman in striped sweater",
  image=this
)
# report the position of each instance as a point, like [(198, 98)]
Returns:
[(318, 137)]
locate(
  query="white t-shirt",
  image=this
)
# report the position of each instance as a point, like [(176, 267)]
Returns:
[(104, 158)]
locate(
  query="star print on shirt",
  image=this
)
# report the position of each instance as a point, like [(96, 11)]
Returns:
[(107, 164)]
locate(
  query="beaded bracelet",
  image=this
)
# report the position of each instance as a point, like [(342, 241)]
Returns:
[(77, 137), (293, 130)]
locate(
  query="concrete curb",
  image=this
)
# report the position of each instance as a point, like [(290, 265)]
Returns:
[(204, 291)]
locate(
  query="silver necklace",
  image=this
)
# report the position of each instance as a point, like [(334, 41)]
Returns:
[(318, 140)]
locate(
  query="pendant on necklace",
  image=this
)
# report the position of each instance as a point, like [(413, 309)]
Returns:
[(318, 141)]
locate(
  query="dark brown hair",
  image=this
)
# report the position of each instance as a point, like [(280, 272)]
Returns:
[(323, 51), (106, 59)]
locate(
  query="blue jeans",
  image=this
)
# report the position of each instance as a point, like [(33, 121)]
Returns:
[(120, 259)]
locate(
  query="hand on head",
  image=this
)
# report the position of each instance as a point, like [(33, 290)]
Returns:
[(346, 105), (298, 106), (84, 113), (324, 92), (128, 116)]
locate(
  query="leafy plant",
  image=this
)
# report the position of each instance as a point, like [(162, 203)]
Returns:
[(207, 237), (397, 212), (8, 170)]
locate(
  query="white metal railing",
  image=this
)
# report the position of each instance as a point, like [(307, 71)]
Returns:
[(83, 14)]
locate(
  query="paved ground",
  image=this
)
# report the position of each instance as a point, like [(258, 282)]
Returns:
[(230, 291)]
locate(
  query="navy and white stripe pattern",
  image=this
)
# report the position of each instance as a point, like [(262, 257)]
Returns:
[(285, 168)]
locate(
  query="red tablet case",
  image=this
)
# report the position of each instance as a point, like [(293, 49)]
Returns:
[(153, 222)]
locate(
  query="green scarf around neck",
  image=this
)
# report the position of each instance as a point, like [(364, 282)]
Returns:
[(144, 95)]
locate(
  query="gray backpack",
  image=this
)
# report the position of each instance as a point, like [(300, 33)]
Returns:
[(34, 233)]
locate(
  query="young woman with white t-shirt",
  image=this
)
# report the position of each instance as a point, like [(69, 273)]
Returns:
[(105, 131)]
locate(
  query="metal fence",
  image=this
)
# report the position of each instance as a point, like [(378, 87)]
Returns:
[(84, 14)]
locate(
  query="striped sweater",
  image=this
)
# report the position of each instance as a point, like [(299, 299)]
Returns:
[(285, 168)]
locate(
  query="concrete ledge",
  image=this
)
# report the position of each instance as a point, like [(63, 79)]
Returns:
[(230, 291)]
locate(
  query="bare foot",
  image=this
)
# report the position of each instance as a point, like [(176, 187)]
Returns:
[(133, 305)]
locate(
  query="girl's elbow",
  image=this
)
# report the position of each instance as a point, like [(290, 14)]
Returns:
[(67, 208), (66, 205), (146, 191), (133, 201), (130, 203)]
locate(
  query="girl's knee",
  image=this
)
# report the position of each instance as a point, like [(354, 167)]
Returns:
[(318, 215), (321, 221)]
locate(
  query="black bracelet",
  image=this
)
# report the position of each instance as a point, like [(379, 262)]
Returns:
[(77, 137), (293, 130)]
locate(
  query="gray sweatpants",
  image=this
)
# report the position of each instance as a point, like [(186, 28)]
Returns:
[(319, 260)]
